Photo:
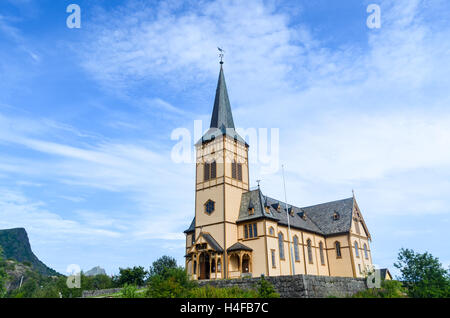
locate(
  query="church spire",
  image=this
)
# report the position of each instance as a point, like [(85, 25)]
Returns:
[(221, 116)]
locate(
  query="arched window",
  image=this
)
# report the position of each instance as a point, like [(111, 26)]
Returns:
[(296, 254), (233, 169), (281, 244), (239, 171), (322, 258), (356, 249), (271, 231), (366, 254), (219, 265), (213, 170), (206, 171), (338, 249), (195, 267), (213, 266), (310, 256), (357, 227)]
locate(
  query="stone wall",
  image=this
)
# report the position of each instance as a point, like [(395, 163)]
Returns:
[(300, 286), (99, 292)]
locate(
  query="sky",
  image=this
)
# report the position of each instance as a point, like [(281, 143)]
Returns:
[(87, 117)]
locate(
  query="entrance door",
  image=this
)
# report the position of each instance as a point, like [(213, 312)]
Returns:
[(204, 266)]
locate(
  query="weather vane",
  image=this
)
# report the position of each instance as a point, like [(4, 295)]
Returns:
[(221, 54)]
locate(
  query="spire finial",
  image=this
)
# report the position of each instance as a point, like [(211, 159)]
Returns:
[(353, 193), (258, 181), (222, 52)]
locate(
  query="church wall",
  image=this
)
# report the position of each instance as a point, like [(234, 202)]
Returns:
[(272, 244), (258, 255), (189, 240), (311, 265), (201, 217), (323, 269), (361, 261), (339, 266)]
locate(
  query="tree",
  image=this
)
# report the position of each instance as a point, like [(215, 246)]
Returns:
[(2, 275), (162, 265), (423, 274), (131, 276)]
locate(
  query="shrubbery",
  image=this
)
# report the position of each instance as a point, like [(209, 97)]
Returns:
[(423, 275), (389, 289)]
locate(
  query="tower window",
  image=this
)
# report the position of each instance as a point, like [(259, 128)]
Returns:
[(206, 171), (356, 249), (233, 169), (209, 206), (213, 170), (236, 170)]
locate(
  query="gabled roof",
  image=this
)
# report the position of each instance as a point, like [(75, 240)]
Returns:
[(319, 218), (239, 247), (212, 242)]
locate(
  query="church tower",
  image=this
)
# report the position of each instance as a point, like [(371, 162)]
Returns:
[(221, 178)]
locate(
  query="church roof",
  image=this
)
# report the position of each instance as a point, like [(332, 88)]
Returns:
[(222, 119), (191, 227), (317, 219), (239, 247), (212, 242), (222, 116)]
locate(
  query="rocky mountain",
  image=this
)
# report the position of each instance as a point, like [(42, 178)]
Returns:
[(15, 245), (97, 270)]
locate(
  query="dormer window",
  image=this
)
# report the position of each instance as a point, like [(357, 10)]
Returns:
[(251, 211), (291, 211), (336, 216), (267, 208)]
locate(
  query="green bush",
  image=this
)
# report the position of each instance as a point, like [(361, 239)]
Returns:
[(266, 289), (389, 289), (129, 291), (173, 283)]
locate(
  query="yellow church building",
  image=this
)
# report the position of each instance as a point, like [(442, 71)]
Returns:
[(238, 232)]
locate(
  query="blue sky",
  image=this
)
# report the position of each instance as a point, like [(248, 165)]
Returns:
[(86, 117)]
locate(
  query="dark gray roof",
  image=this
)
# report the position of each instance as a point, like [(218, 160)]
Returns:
[(222, 119), (221, 116), (212, 242), (322, 215), (319, 218), (191, 227), (239, 247)]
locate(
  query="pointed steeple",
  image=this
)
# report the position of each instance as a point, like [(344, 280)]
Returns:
[(222, 117)]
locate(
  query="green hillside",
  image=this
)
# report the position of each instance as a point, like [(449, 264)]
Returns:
[(15, 245)]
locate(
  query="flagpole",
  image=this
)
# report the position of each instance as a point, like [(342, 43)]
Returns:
[(289, 224)]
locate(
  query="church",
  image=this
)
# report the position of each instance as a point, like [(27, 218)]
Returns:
[(238, 232)]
